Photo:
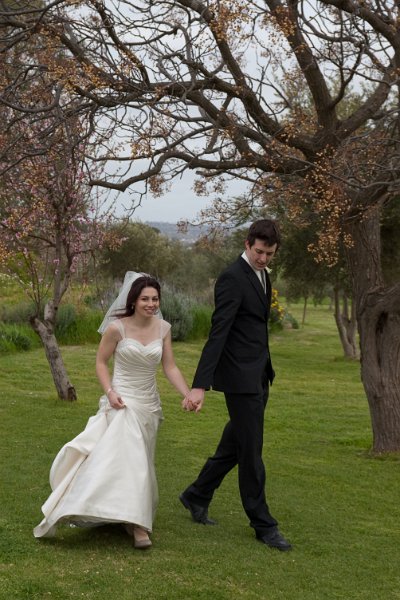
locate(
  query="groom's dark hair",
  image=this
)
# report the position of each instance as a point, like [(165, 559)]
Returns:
[(266, 230)]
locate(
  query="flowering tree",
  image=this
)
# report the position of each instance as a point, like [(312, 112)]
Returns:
[(202, 84), (49, 225)]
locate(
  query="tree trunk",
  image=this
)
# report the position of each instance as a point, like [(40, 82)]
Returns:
[(303, 320), (378, 319), (346, 325), (45, 330)]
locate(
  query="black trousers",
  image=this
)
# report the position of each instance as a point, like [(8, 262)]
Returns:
[(241, 444)]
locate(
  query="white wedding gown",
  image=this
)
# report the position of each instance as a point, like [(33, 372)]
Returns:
[(106, 474)]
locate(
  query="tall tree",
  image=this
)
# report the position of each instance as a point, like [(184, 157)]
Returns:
[(192, 84)]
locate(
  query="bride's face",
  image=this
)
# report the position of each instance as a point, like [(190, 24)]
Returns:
[(147, 303)]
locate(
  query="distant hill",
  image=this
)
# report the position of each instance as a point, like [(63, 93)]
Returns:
[(171, 231)]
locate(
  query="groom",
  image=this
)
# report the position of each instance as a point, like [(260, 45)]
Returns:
[(236, 361)]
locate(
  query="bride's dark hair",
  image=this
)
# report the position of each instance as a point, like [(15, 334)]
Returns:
[(136, 289)]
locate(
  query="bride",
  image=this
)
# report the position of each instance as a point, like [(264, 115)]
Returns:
[(106, 474)]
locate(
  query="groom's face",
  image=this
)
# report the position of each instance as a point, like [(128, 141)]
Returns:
[(259, 254)]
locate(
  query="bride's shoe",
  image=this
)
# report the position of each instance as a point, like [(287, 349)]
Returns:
[(140, 536)]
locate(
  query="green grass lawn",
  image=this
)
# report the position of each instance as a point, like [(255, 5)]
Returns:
[(337, 504)]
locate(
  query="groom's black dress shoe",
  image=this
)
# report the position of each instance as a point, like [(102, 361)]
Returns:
[(199, 513), (275, 540)]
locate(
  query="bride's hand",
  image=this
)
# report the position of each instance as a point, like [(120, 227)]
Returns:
[(186, 404), (115, 400)]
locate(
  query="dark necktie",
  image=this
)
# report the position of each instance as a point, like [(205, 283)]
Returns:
[(263, 281)]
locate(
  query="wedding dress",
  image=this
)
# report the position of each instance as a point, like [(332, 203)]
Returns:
[(106, 474)]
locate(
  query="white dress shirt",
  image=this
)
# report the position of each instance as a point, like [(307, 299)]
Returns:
[(256, 271)]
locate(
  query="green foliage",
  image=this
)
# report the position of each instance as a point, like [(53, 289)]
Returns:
[(189, 321), (143, 249), (20, 312), (65, 321), (176, 309), (201, 321), (77, 328), (201, 264), (277, 313), (301, 275), (14, 339), (72, 328), (92, 300), (290, 321), (195, 273)]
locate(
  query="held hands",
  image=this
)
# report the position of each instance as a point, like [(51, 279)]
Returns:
[(193, 401)]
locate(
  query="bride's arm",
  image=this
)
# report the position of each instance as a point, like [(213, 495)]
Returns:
[(170, 369), (105, 351)]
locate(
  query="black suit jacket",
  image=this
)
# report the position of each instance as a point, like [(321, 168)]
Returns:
[(235, 358)]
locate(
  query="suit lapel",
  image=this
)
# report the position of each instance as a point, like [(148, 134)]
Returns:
[(254, 280)]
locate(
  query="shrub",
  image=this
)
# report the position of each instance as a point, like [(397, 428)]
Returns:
[(277, 313), (6, 345), (176, 310), (72, 327), (13, 339), (279, 317), (17, 313), (77, 328), (201, 321), (87, 324), (290, 321), (65, 321)]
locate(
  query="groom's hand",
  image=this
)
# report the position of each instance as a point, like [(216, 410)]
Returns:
[(195, 399)]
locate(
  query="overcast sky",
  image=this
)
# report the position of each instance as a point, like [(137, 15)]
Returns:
[(179, 203)]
